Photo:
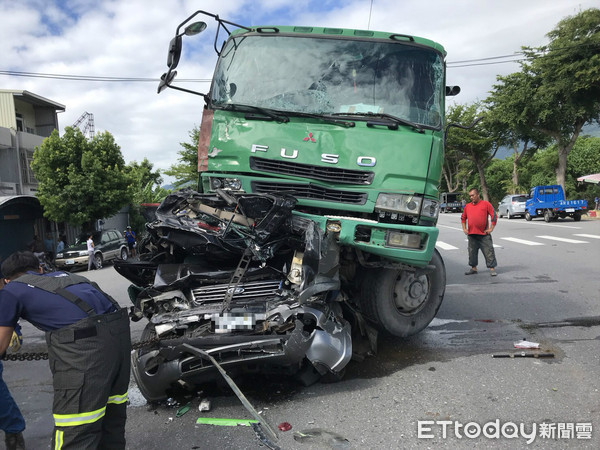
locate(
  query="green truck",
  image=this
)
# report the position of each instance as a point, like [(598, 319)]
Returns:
[(351, 124)]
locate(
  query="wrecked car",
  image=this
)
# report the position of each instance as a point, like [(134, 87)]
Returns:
[(241, 278)]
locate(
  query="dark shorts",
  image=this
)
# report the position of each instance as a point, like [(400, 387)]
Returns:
[(485, 243), (131, 245)]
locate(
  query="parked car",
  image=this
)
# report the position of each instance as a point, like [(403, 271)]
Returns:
[(108, 245), (512, 206)]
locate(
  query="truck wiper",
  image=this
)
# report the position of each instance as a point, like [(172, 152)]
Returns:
[(394, 119), (282, 116), (324, 117), (270, 113)]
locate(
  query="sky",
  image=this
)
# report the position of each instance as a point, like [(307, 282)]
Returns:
[(128, 39)]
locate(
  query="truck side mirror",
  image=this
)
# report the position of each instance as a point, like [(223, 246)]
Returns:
[(174, 52), (452, 91)]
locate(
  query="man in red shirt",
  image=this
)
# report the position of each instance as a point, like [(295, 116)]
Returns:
[(479, 229)]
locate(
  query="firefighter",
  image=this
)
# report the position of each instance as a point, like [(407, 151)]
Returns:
[(89, 344)]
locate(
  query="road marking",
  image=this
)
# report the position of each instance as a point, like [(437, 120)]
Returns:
[(592, 236), (545, 224), (570, 241), (446, 226), (445, 246), (521, 241)]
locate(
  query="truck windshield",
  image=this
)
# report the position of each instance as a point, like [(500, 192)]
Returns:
[(331, 76)]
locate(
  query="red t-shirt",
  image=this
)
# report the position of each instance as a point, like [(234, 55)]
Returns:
[(476, 216)]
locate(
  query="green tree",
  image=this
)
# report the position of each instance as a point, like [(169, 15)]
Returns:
[(507, 118), (474, 145), (498, 178), (186, 171), (561, 82), (80, 180)]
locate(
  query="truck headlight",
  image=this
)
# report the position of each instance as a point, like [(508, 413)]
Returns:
[(431, 208), (401, 203), (227, 184)]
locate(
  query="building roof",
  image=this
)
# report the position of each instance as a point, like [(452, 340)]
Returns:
[(35, 99)]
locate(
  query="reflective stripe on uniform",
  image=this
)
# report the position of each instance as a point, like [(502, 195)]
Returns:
[(117, 399), (58, 440), (72, 420)]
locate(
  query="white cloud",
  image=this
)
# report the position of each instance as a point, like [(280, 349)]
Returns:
[(130, 39)]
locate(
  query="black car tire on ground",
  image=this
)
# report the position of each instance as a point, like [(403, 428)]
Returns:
[(124, 254), (401, 303), (99, 260)]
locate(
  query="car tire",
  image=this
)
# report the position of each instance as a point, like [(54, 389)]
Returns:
[(508, 215), (99, 260), (399, 302), (528, 216), (124, 254)]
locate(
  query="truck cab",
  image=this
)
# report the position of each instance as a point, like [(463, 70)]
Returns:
[(351, 124)]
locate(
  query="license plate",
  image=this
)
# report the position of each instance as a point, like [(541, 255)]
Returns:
[(570, 210), (70, 261)]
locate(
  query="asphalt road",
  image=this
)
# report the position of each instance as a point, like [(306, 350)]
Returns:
[(547, 291)]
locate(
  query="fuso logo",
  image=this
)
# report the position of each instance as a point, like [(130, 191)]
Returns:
[(329, 158)]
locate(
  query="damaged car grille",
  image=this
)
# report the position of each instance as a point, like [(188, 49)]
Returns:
[(247, 291)]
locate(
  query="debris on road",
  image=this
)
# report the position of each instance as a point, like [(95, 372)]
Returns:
[(526, 344), (523, 355), (225, 422)]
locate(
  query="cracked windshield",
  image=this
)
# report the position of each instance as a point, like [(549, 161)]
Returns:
[(331, 76)]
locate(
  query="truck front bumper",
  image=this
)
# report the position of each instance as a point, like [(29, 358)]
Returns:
[(409, 244)]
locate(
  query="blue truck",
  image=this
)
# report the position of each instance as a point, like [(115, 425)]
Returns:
[(549, 202)]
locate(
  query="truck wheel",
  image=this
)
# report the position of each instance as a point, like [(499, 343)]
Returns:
[(577, 216), (401, 303), (527, 216), (547, 216)]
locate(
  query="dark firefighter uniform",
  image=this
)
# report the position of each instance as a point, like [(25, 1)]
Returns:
[(89, 347)]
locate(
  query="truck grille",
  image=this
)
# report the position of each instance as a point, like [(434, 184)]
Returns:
[(246, 291), (309, 191), (331, 174)]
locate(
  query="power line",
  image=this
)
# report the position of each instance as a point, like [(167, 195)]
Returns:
[(94, 77)]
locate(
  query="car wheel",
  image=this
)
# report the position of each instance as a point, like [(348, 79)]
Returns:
[(124, 254), (508, 215), (99, 260), (401, 302), (528, 216), (547, 216)]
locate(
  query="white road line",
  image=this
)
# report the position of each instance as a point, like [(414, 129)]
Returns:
[(445, 246), (521, 241), (570, 241), (545, 224), (592, 236)]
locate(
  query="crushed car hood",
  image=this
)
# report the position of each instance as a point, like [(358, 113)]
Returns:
[(242, 278)]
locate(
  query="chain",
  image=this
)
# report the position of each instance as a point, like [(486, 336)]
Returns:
[(25, 357), (44, 355)]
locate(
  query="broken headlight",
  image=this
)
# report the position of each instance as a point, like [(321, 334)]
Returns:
[(431, 208), (226, 184)]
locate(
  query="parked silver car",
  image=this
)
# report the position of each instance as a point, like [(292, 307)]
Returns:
[(108, 245), (512, 206)]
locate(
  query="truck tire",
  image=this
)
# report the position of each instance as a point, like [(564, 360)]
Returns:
[(547, 216), (400, 303), (577, 216), (527, 216)]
